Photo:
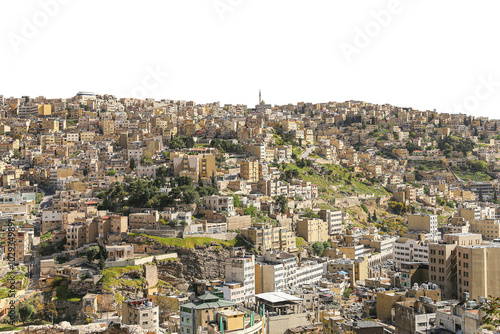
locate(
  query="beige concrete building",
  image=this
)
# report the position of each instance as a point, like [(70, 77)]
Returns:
[(195, 166), (249, 170), (313, 230), (19, 246), (356, 269), (443, 261), (478, 270), (266, 237), (424, 222), (142, 312), (488, 228)]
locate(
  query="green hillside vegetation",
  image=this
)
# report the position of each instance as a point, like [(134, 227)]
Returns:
[(333, 181), (110, 277), (191, 242)]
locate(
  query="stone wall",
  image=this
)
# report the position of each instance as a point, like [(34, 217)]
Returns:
[(238, 222), (151, 275), (139, 261)]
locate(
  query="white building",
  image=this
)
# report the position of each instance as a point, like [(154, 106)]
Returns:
[(240, 267), (410, 250), (310, 272), (334, 220)]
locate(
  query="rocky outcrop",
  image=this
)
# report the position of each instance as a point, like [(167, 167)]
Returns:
[(194, 264), (68, 311), (66, 328), (203, 262)]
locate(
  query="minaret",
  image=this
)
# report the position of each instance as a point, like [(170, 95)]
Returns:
[(260, 97)]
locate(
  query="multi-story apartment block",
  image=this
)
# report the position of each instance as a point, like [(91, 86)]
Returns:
[(443, 261), (195, 166), (410, 250), (313, 230), (357, 270), (146, 220), (142, 312), (249, 170), (219, 203), (19, 246), (275, 272), (425, 223), (240, 268), (488, 228), (478, 270), (267, 237), (51, 220), (310, 272), (334, 220)]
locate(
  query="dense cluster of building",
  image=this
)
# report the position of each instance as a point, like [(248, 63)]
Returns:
[(343, 211)]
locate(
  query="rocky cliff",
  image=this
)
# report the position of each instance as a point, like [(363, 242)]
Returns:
[(66, 328), (201, 262)]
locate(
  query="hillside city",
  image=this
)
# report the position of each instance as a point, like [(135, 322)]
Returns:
[(124, 215)]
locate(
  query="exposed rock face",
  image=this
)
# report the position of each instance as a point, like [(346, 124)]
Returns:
[(203, 262), (66, 328), (194, 264), (68, 311)]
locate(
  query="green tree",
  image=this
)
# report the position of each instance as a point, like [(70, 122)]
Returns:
[(111, 172), (318, 248), (133, 164), (17, 154), (282, 202), (166, 305), (25, 312), (236, 201), (347, 292), (92, 253), (250, 211), (213, 180)]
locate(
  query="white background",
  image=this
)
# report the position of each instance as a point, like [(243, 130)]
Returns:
[(426, 55)]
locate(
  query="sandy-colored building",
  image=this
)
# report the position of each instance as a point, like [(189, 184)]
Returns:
[(478, 270), (443, 261), (142, 312), (313, 230)]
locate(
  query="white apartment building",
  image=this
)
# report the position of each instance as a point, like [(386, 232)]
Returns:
[(235, 292), (240, 267), (410, 250), (334, 220), (310, 272), (275, 272)]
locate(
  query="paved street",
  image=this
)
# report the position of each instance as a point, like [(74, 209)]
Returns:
[(308, 151)]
